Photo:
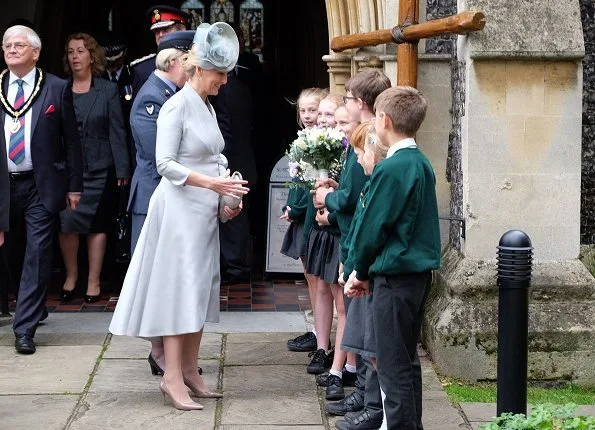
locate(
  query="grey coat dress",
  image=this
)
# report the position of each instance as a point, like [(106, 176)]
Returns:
[(172, 284)]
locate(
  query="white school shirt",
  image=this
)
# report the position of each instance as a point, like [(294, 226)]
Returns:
[(401, 144), (28, 86)]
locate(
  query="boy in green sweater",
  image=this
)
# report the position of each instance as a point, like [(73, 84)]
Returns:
[(395, 246)]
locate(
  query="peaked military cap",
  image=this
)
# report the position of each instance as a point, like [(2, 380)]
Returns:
[(181, 40), (162, 16)]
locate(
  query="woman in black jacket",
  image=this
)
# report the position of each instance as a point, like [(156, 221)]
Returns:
[(105, 161)]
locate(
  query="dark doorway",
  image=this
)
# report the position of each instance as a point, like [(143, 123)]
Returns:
[(295, 37)]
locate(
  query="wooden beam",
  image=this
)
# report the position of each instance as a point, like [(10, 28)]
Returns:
[(407, 52), (462, 23)]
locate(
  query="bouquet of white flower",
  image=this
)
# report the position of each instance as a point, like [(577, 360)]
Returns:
[(315, 153)]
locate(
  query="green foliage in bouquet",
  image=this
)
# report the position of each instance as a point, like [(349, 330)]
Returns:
[(543, 417), (314, 150)]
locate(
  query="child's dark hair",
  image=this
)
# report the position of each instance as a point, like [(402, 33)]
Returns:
[(367, 85)]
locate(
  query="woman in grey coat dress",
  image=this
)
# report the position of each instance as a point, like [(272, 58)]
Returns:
[(105, 162), (172, 285)]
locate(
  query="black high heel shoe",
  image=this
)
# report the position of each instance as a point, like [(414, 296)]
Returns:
[(92, 299), (67, 295), (157, 370)]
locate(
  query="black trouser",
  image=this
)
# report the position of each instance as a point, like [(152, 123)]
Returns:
[(30, 242), (372, 396), (398, 307)]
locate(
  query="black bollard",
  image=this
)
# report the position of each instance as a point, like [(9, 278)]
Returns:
[(514, 279)]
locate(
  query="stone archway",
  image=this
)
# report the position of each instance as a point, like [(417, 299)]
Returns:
[(348, 17)]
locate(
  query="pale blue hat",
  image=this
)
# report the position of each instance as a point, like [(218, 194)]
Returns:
[(218, 46)]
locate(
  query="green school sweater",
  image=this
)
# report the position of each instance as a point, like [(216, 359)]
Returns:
[(297, 201), (343, 201), (361, 203), (398, 230)]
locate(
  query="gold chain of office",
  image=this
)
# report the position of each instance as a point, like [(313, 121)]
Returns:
[(8, 108)]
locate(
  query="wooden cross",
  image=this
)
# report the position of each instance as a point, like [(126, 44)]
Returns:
[(408, 33)]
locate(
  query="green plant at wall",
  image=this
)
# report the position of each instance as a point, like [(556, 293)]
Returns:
[(543, 417)]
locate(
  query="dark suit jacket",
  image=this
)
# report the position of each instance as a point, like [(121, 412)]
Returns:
[(233, 106), (143, 121), (55, 145), (102, 132)]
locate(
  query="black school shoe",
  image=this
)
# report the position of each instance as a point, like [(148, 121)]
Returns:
[(360, 421), (303, 343), (334, 389), (349, 379), (354, 402), (320, 361)]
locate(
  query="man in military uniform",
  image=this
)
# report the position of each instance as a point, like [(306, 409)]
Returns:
[(164, 20), (118, 71)]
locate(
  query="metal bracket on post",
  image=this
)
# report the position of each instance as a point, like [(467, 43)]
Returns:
[(456, 218)]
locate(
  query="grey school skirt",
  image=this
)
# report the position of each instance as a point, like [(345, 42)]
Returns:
[(293, 241), (322, 255), (359, 336)]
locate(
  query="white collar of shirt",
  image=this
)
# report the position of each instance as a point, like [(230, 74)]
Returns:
[(401, 144), (29, 78)]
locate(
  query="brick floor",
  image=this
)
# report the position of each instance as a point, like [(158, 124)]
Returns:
[(259, 296)]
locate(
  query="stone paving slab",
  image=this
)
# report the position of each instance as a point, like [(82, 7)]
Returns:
[(139, 410), (266, 427), (47, 412), (262, 407), (133, 347), (72, 322), (250, 322), (441, 415), (263, 353), (120, 376), (268, 378), (57, 339), (233, 338), (5, 321), (52, 370)]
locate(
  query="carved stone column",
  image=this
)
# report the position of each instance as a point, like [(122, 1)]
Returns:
[(368, 60), (339, 69)]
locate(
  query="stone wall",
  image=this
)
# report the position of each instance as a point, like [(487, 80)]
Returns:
[(588, 161), (439, 9), (454, 169)]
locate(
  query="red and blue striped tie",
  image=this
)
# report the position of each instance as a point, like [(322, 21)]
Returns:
[(16, 148)]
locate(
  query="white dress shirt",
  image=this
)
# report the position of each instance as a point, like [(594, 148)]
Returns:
[(401, 144), (28, 87)]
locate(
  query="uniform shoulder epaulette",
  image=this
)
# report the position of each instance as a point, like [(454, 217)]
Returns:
[(140, 60)]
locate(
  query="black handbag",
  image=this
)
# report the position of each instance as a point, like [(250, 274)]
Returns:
[(123, 227)]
